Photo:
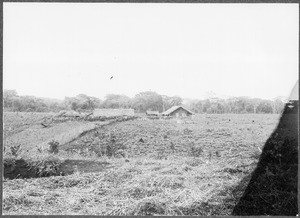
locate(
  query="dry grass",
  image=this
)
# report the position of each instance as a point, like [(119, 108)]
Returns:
[(15, 122), (35, 137), (28, 145), (138, 187), (154, 178)]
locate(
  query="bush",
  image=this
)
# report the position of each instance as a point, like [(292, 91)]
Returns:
[(9, 161), (15, 150), (43, 166), (53, 147), (46, 166)]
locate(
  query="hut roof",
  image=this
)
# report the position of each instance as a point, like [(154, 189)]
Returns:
[(174, 108)]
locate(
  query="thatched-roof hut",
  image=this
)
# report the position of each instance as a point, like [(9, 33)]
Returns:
[(177, 111)]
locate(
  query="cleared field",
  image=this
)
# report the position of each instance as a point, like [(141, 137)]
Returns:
[(38, 137), (166, 167), (25, 129), (229, 135)]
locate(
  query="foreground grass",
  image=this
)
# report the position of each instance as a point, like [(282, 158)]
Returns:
[(176, 186)]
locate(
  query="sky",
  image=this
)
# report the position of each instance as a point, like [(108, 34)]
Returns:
[(189, 50)]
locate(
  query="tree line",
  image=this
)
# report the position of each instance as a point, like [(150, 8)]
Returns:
[(237, 105), (141, 102)]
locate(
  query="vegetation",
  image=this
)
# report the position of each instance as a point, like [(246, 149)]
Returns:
[(141, 102), (31, 138), (53, 147), (142, 167)]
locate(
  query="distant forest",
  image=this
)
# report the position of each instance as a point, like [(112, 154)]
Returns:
[(141, 102)]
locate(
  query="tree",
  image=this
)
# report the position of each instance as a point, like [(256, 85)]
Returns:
[(81, 102), (195, 105), (86, 102), (116, 101), (96, 102), (9, 96), (71, 103), (206, 106), (265, 106), (169, 102), (254, 103), (144, 101), (53, 104), (278, 104)]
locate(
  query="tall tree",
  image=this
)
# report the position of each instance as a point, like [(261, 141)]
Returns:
[(116, 101), (9, 96), (169, 102), (144, 101)]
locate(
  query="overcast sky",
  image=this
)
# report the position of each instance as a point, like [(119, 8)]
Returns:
[(64, 49)]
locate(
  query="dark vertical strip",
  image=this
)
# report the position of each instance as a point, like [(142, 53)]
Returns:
[(273, 187), (1, 147), (298, 95)]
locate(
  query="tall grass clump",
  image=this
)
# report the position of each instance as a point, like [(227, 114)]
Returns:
[(45, 165)]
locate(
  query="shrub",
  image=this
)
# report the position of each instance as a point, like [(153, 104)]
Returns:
[(9, 161), (15, 150), (53, 149), (46, 166)]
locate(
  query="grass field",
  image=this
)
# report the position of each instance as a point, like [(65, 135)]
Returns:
[(149, 167), (15, 122), (25, 129)]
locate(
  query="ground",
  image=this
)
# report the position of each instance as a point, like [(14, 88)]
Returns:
[(148, 167)]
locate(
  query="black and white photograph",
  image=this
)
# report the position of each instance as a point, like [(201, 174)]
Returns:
[(150, 109)]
